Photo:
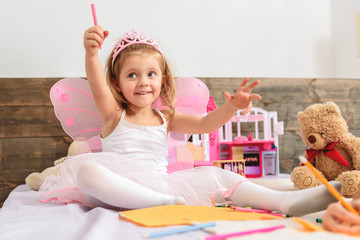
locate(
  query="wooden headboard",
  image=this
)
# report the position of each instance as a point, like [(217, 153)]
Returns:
[(31, 137)]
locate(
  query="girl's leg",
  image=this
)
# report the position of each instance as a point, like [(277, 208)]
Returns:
[(104, 188), (296, 203)]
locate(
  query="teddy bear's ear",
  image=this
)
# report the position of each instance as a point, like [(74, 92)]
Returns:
[(331, 107), (299, 115)]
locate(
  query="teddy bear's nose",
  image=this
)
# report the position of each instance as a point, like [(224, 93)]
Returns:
[(312, 139)]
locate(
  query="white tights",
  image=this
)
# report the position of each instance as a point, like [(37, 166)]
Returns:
[(104, 188), (296, 203)]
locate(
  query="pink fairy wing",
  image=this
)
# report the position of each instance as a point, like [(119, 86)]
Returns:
[(192, 98), (91, 145), (75, 108), (179, 157)]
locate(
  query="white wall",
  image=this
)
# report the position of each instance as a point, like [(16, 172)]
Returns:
[(203, 38), (346, 62)]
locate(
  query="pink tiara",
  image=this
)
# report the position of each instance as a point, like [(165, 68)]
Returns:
[(133, 38)]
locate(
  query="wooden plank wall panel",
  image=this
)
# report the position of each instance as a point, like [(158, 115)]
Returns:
[(28, 121), (25, 91), (31, 137)]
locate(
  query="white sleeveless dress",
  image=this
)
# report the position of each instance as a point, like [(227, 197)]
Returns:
[(139, 153)]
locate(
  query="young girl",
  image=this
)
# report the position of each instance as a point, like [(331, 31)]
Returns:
[(130, 172)]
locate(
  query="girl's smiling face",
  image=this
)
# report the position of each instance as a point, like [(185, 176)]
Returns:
[(140, 79)]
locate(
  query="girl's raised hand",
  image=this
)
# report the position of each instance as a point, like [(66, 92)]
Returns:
[(93, 38), (243, 98)]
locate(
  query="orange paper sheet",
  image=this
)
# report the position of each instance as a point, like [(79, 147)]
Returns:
[(185, 215)]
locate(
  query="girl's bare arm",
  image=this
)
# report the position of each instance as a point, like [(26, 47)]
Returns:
[(242, 99), (93, 39)]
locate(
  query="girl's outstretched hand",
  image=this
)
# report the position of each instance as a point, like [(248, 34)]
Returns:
[(243, 98), (339, 219), (93, 38)]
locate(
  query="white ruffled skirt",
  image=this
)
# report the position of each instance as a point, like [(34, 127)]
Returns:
[(198, 186)]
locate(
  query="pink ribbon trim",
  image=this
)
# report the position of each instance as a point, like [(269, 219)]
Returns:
[(56, 200), (226, 193)]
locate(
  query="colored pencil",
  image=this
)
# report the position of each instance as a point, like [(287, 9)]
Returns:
[(332, 190), (243, 233), (241, 209), (280, 215), (94, 15), (249, 210), (180, 230)]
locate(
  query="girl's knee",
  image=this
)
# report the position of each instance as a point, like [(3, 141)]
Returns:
[(88, 171)]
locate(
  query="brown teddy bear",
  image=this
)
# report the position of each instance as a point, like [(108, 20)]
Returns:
[(333, 150)]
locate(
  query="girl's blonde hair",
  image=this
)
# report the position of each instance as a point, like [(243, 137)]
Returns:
[(168, 88)]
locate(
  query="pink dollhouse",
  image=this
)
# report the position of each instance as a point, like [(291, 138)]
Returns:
[(256, 143)]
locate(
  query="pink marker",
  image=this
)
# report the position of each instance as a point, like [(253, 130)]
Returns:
[(94, 15)]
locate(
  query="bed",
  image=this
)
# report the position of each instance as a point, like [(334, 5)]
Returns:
[(31, 139), (24, 217)]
